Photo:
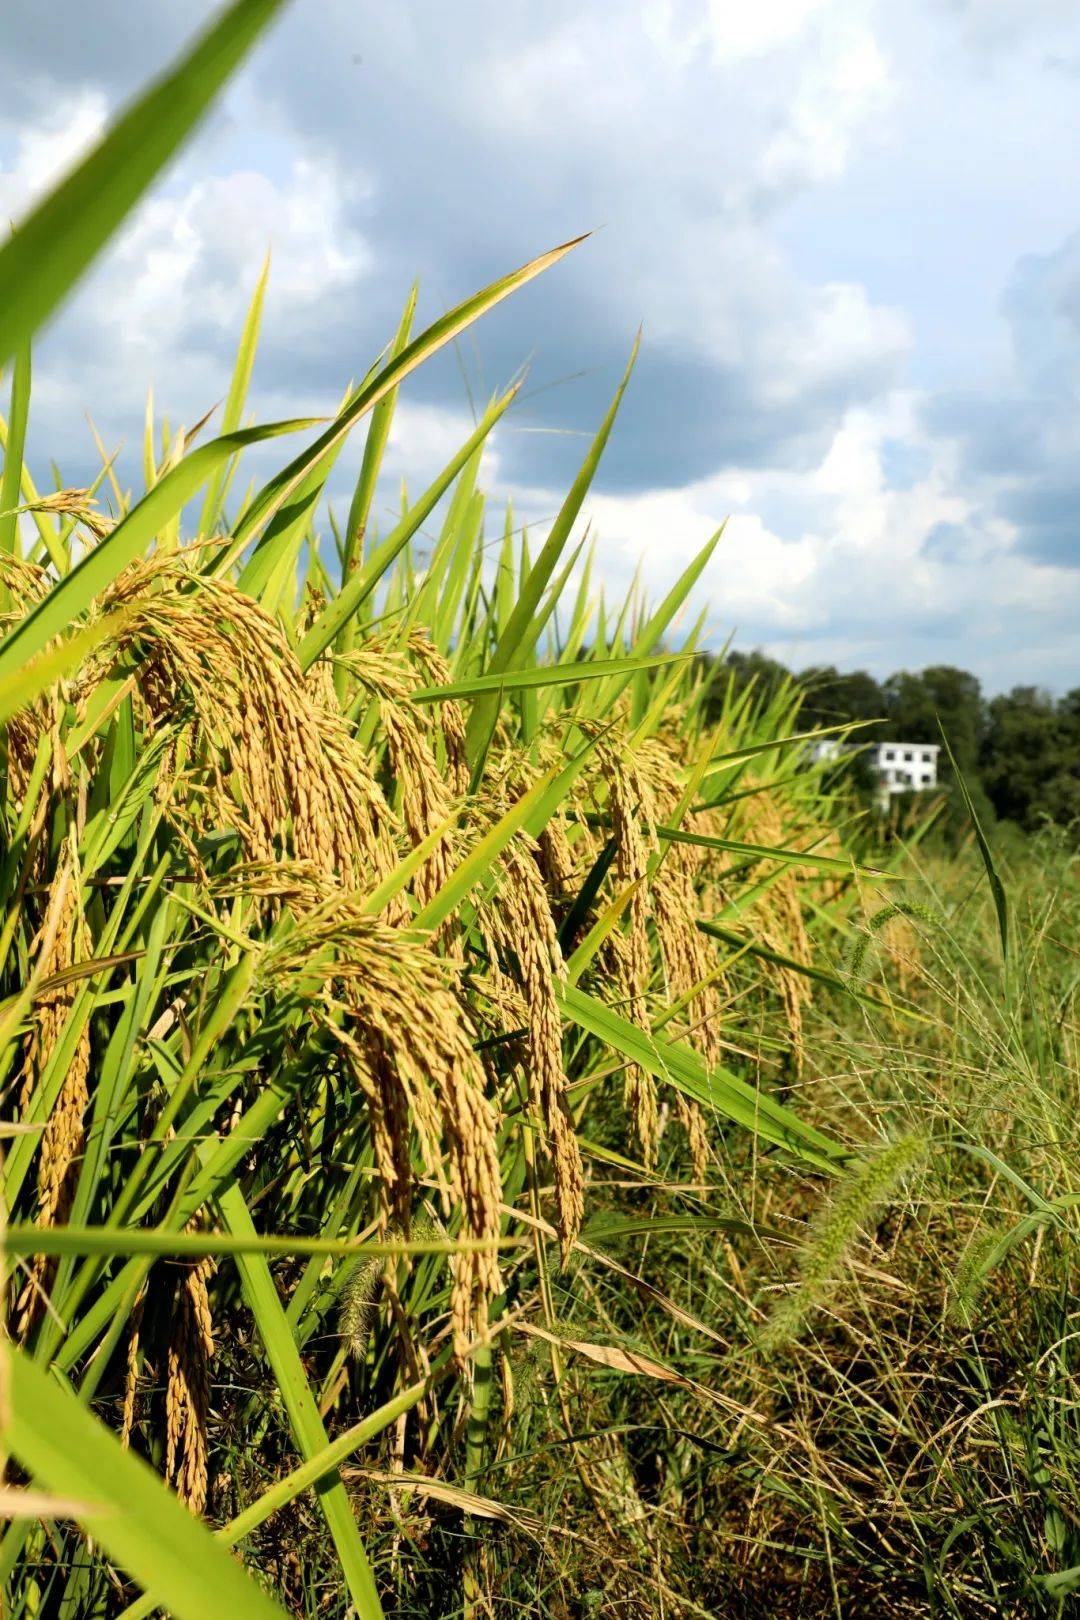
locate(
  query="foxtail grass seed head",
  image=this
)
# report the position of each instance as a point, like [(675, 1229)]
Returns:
[(971, 1276), (360, 1290), (860, 1195), (358, 1305), (881, 920)]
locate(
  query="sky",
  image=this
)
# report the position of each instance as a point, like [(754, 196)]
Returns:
[(850, 231)]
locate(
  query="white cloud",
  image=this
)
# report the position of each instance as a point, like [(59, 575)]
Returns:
[(190, 259), (845, 84), (45, 151), (424, 437), (737, 32), (858, 579), (1003, 22), (731, 34), (166, 305)]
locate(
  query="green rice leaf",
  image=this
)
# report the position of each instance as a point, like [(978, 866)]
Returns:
[(128, 1510), (281, 489), (11, 483), (716, 1090), (997, 888), (304, 1420), (358, 586), (58, 242), (21, 686), (519, 680), (234, 402), (517, 627), (790, 857)]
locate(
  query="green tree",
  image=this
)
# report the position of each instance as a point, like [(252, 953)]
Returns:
[(1031, 756), (833, 697), (939, 698)]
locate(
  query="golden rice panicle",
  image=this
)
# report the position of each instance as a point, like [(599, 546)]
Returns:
[(692, 1120), (633, 825), (427, 791), (780, 913), (131, 1369), (522, 943), (451, 720), (561, 869), (393, 1008), (677, 883), (63, 940), (525, 932), (425, 799), (319, 678), (282, 768), (27, 584), (686, 966), (187, 1390), (79, 504)]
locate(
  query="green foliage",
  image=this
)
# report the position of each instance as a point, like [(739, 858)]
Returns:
[(1030, 757)]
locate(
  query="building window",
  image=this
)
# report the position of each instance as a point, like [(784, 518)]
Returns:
[(888, 753), (907, 754)]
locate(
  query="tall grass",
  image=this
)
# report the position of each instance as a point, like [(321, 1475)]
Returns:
[(875, 1404), (929, 1456)]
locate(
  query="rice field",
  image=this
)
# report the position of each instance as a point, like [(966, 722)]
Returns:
[(484, 1132)]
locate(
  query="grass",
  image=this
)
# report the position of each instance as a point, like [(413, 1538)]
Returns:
[(477, 1137), (914, 1449)]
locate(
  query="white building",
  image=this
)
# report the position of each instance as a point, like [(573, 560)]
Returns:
[(905, 767), (898, 767)]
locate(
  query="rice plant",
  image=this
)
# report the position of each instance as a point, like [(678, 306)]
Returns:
[(351, 900)]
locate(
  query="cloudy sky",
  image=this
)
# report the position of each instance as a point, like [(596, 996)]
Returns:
[(850, 228)]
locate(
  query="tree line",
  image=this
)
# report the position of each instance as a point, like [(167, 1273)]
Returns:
[(1019, 752)]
